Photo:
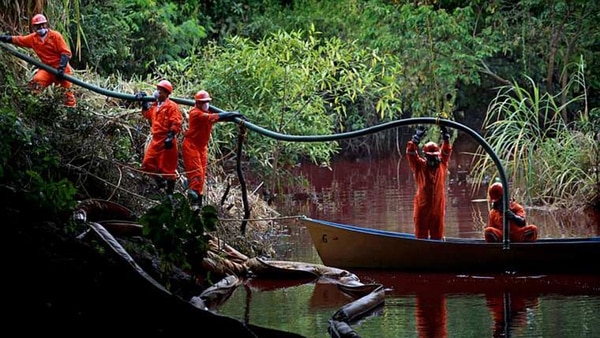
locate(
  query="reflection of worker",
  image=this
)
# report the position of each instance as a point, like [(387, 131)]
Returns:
[(431, 314), (430, 175), (195, 143), (161, 157), (509, 311), (50, 46), (518, 228)]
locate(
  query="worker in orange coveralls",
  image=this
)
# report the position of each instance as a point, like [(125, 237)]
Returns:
[(518, 228), (51, 48), (161, 157), (431, 314), (195, 144), (430, 173)]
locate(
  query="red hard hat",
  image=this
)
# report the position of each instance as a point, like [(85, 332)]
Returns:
[(431, 148), (165, 85), (495, 192), (202, 96), (38, 19)]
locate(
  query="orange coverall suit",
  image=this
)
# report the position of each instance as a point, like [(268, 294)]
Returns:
[(195, 147), (430, 200), (528, 233), (157, 158), (48, 49)]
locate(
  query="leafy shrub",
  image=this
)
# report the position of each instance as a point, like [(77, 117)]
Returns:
[(178, 232)]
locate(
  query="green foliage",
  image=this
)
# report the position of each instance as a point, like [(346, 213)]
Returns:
[(543, 38), (108, 48), (546, 159), (133, 35), (294, 83), (178, 232), (51, 197), (29, 163), (434, 50)]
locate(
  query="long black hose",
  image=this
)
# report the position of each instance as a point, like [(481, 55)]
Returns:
[(241, 137), (306, 138)]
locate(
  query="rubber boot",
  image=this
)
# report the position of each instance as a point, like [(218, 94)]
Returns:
[(198, 204), (160, 182), (170, 187), (195, 199)]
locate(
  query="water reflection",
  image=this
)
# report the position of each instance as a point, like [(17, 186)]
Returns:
[(379, 194), (431, 305)]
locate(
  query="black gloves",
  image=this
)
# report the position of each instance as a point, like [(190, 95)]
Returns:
[(169, 139), (145, 104), (518, 220), (445, 133), (140, 95), (230, 115), (64, 60), (6, 38), (419, 133)]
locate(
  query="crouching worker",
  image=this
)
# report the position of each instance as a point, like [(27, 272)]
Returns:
[(50, 46), (518, 228)]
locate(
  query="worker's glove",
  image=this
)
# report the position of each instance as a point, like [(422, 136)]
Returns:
[(140, 96), (60, 72), (419, 133), (445, 133), (518, 220), (6, 38), (230, 115), (169, 139), (64, 60)]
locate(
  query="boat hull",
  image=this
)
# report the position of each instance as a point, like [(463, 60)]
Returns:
[(347, 246)]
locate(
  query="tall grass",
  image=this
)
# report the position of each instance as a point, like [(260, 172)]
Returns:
[(548, 161)]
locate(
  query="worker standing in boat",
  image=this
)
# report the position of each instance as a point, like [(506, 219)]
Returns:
[(195, 144), (518, 228), (161, 157), (430, 172)]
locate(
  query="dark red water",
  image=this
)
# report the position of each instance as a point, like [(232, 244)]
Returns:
[(379, 194)]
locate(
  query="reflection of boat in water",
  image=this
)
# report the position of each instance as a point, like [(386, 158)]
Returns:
[(404, 283), (508, 297), (328, 295)]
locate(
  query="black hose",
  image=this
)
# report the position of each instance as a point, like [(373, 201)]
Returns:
[(308, 138), (241, 136)]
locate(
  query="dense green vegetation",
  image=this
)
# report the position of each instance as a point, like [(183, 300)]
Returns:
[(525, 73), (313, 67)]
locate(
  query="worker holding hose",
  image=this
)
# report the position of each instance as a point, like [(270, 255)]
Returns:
[(429, 172), (161, 157), (195, 144), (52, 49)]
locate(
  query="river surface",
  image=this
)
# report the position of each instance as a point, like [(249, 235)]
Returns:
[(379, 194)]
